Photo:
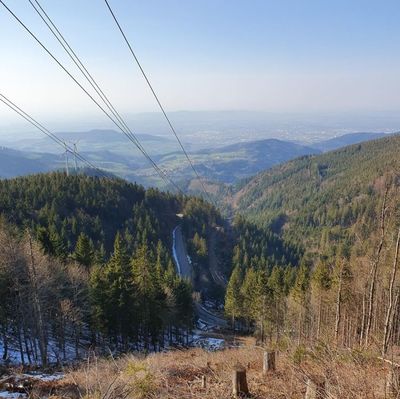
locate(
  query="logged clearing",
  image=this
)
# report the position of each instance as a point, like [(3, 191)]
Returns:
[(196, 373)]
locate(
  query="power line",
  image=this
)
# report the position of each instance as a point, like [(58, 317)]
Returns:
[(47, 132), (125, 129), (161, 173), (74, 57), (157, 99)]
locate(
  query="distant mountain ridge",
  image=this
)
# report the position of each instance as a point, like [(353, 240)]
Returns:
[(111, 151), (240, 160), (18, 163), (346, 139)]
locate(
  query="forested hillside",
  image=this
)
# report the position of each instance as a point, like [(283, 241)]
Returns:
[(312, 254), (342, 209), (306, 197), (88, 260), (59, 208)]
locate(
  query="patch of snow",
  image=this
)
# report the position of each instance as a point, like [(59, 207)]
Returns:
[(45, 377), (54, 353), (208, 343), (12, 395)]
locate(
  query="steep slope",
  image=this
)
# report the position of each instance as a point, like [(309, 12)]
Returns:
[(331, 192), (69, 205), (95, 254), (59, 209)]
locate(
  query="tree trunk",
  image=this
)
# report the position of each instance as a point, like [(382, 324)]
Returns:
[(390, 310), (269, 363), (319, 315), (338, 306), (373, 273), (37, 307), (364, 315), (21, 348), (5, 342), (239, 381)]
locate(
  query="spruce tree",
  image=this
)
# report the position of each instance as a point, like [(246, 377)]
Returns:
[(84, 252), (249, 294), (233, 297), (46, 244), (150, 294), (120, 293)]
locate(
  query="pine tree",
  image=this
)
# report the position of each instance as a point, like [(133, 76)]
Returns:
[(249, 293), (98, 295), (233, 297), (58, 244), (46, 244), (150, 295), (84, 252), (183, 303), (276, 284), (119, 303), (322, 282), (301, 295), (100, 255)]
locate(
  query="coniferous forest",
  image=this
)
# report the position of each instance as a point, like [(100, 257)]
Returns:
[(340, 210), (199, 199), (88, 262)]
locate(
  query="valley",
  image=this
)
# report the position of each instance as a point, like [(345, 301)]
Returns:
[(199, 200), (107, 265), (111, 151)]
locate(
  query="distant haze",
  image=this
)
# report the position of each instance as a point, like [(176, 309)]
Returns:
[(312, 58), (205, 129)]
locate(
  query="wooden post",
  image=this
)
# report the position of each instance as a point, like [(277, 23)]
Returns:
[(239, 381), (269, 362), (393, 382), (203, 381), (316, 388)]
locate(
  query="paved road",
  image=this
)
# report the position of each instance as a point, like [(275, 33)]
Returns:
[(185, 269), (210, 318), (180, 255)]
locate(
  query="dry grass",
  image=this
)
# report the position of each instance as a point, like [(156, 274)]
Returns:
[(177, 375)]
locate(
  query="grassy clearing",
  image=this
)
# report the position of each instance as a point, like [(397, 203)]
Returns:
[(178, 374)]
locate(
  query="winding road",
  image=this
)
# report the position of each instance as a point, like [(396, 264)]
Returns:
[(185, 270)]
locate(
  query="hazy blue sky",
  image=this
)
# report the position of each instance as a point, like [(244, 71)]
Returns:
[(278, 56)]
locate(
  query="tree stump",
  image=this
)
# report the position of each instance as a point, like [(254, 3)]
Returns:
[(316, 388), (203, 381), (269, 362), (393, 382), (239, 381)]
